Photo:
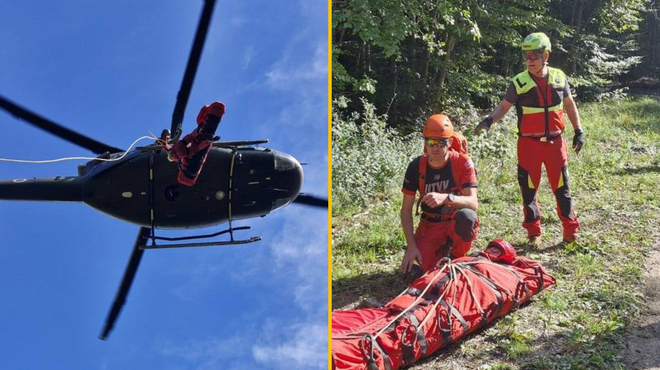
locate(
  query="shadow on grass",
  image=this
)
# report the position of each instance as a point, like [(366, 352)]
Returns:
[(638, 170), (579, 348), (524, 249), (567, 350), (571, 348), (347, 293), (646, 108)]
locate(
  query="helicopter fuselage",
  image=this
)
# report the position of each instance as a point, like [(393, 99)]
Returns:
[(142, 187)]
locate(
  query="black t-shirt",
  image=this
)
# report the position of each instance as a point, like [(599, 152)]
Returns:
[(440, 180)]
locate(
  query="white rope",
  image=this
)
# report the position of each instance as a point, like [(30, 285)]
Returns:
[(81, 158), (418, 299), (452, 281), (454, 271)]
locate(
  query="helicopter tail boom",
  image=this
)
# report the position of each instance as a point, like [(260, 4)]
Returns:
[(58, 189)]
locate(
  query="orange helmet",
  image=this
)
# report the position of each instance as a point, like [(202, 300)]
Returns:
[(438, 126)]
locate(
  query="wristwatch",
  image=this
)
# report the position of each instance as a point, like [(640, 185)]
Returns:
[(451, 198)]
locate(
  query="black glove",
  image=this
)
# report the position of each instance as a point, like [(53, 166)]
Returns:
[(484, 124), (578, 140)]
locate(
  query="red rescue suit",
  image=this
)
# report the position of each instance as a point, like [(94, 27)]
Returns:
[(190, 152), (443, 231), (539, 105)]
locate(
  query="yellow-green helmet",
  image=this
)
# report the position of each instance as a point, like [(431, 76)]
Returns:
[(536, 41)]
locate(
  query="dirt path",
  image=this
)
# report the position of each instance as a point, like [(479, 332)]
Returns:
[(643, 337)]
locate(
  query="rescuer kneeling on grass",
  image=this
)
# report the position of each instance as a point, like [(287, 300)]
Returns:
[(447, 182), (541, 94)]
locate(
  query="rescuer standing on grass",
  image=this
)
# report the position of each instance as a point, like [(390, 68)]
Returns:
[(447, 183), (541, 94)]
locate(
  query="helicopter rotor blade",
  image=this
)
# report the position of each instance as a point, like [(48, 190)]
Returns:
[(191, 69), (55, 129), (311, 200), (126, 282)]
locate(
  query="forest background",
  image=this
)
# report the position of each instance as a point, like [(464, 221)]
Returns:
[(395, 63), (413, 58)]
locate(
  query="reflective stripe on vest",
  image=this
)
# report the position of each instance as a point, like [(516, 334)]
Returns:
[(540, 113)]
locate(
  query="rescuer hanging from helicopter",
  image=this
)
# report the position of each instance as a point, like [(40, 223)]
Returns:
[(191, 151)]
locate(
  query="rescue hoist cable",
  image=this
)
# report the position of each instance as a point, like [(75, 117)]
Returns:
[(81, 158)]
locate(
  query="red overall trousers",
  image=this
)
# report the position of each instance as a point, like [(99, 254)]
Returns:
[(532, 153), (450, 238)]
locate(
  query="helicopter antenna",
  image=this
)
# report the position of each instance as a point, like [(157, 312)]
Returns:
[(191, 70)]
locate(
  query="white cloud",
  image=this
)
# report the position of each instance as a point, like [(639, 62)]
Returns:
[(306, 252), (292, 70), (297, 340), (301, 247), (211, 353), (247, 57), (297, 254), (307, 349)]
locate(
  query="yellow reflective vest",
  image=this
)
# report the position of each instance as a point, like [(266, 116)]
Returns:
[(540, 113)]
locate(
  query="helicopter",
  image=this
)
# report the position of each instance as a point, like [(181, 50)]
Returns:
[(239, 180)]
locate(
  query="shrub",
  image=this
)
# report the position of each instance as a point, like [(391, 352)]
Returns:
[(368, 158)]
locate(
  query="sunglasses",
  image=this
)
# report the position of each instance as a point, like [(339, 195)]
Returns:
[(532, 55), (436, 142)]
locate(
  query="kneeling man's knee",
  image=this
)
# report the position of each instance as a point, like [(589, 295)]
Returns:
[(466, 223)]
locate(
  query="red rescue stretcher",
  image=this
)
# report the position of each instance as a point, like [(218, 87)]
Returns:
[(441, 307)]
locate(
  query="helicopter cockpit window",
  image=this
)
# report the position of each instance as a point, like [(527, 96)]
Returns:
[(284, 162)]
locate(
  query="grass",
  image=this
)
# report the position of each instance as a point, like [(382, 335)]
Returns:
[(577, 324)]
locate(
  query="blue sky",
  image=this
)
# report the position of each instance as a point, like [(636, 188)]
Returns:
[(111, 70)]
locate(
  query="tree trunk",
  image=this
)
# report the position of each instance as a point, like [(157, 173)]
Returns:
[(451, 42), (427, 63), (580, 22), (577, 23)]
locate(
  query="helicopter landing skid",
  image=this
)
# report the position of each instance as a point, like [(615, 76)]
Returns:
[(153, 238)]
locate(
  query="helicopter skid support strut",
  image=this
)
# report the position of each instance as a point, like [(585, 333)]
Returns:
[(199, 244), (230, 230)]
